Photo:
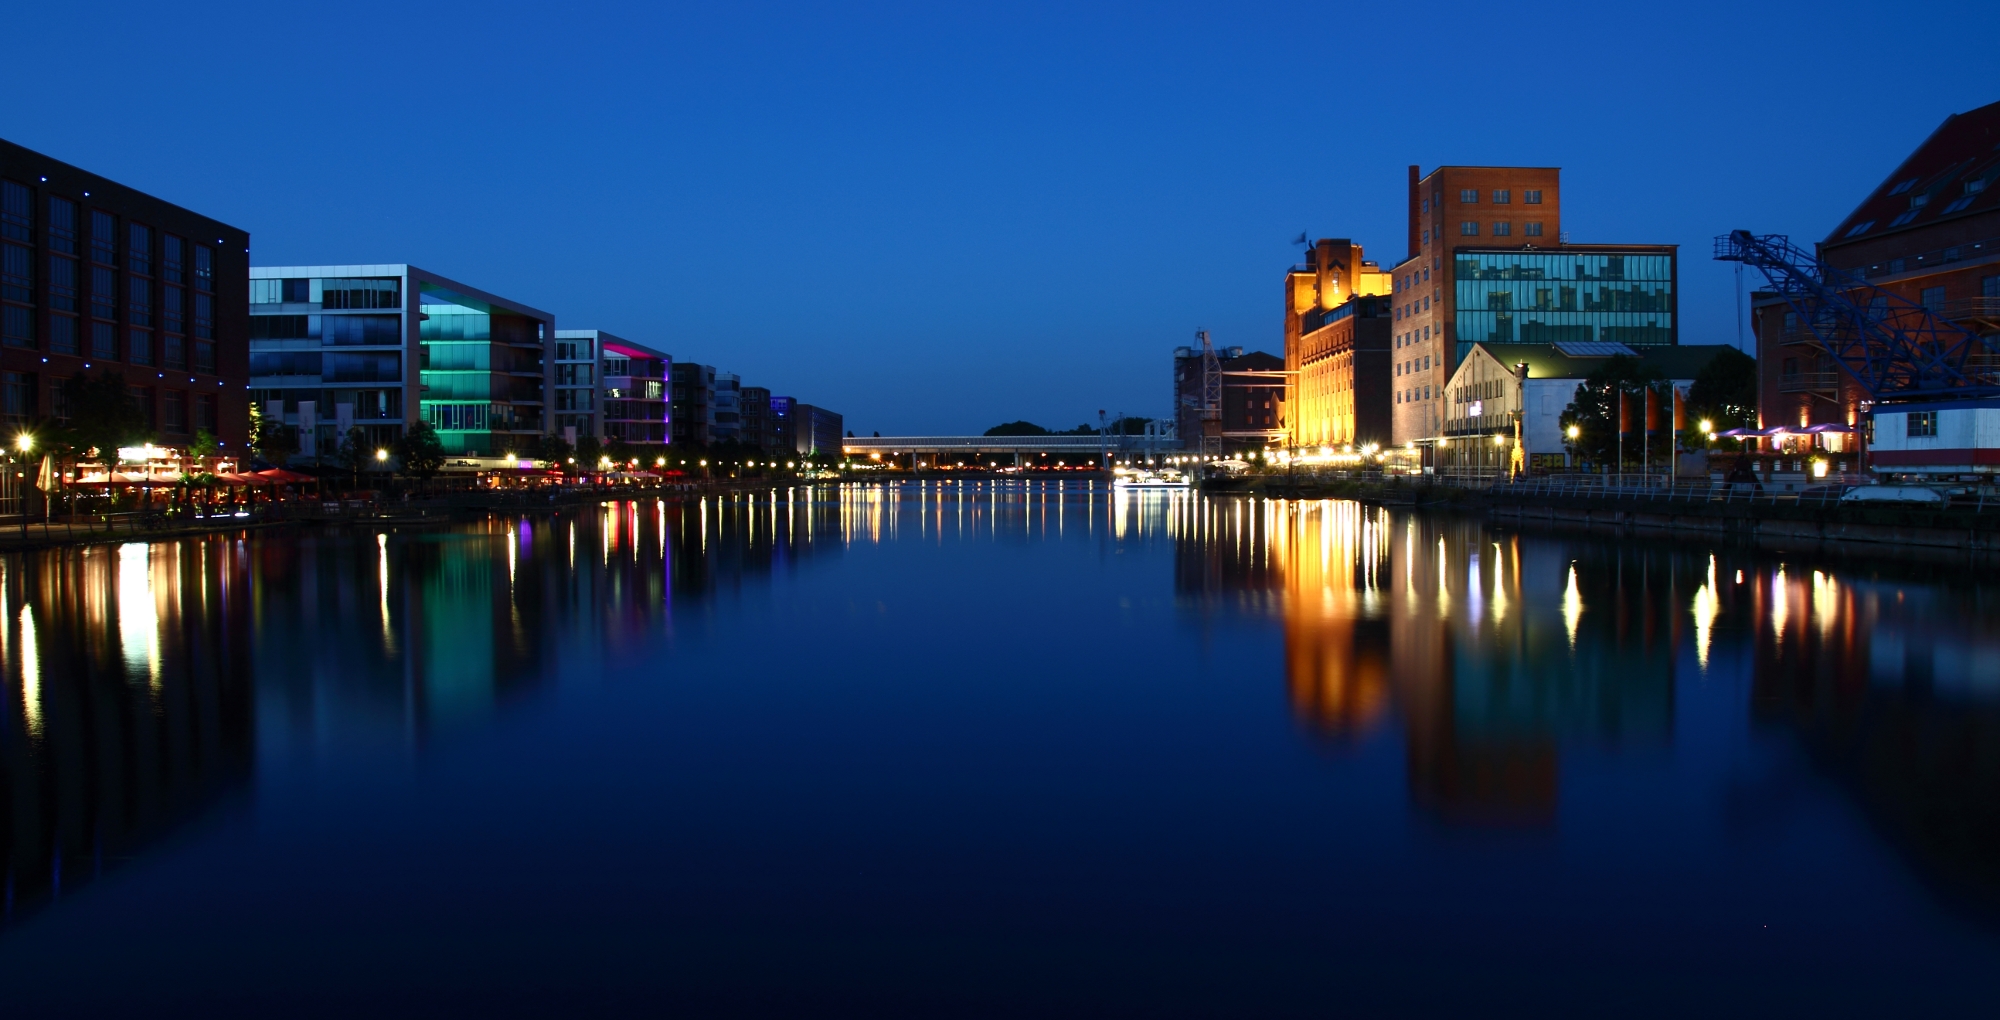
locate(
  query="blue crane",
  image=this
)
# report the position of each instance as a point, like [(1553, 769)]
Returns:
[(1894, 347)]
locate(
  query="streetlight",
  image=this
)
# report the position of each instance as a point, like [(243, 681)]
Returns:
[(382, 455), (24, 443), (1707, 426), (1575, 431)]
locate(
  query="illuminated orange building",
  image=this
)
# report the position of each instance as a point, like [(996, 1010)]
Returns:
[(1337, 333)]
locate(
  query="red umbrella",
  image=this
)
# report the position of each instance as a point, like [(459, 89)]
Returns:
[(284, 477)]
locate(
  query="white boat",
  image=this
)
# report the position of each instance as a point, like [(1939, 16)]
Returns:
[(1149, 480)]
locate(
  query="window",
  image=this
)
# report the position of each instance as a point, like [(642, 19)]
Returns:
[(17, 273), (1923, 424), (139, 250), (17, 212), (103, 292), (1502, 196), (1905, 186), (62, 334), (1425, 205), (103, 238), (1861, 228), (1989, 286), (361, 293), (1502, 229), (58, 400), (104, 341), (459, 417), (1791, 321), (139, 347), (17, 396), (62, 283), (204, 316), (1469, 196), (204, 356), (170, 258), (17, 326), (62, 225), (355, 330), (173, 411), (1957, 204), (173, 353), (139, 301), (1427, 237), (1901, 218), (1532, 228), (170, 309), (204, 412), (1468, 229), (1933, 298), (204, 268), (1532, 197), (267, 292)]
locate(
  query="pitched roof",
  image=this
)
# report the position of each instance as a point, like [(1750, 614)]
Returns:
[(1960, 160)]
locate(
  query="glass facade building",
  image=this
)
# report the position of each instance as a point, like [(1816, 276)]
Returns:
[(1564, 296), (333, 348)]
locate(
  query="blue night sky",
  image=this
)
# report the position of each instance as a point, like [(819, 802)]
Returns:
[(935, 218)]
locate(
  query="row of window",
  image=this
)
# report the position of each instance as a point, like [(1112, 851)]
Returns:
[(1499, 228), (363, 293), (17, 223), (1470, 196), (165, 409), (105, 341), (1413, 394)]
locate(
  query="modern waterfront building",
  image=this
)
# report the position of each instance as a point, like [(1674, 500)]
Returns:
[(574, 385), (636, 403), (375, 346), (96, 276), (1337, 349), (754, 404), (814, 430), (727, 416), (1489, 263), (1930, 232), (693, 409)]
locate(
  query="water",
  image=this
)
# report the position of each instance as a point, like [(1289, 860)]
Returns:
[(979, 751)]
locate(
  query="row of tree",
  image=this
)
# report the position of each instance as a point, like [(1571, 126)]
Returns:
[(1724, 394)]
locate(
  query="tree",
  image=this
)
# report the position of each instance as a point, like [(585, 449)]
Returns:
[(420, 450), (1725, 391), (1016, 428), (102, 415), (355, 452), (588, 450), (204, 445), (552, 449), (620, 452), (1595, 410)]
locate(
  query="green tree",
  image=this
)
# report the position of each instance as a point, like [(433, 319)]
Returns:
[(1014, 428), (420, 450), (102, 416), (204, 445), (1725, 391), (588, 450), (1594, 412), (356, 452)]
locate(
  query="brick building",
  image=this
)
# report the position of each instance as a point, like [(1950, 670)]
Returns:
[(1929, 232), (96, 276), (1337, 345), (1253, 407)]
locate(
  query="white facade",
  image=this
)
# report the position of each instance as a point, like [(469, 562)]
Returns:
[(1936, 439)]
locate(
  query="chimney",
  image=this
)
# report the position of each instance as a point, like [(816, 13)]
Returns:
[(1416, 211), (1323, 267)]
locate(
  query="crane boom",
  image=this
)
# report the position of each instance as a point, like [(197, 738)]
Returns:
[(1895, 348)]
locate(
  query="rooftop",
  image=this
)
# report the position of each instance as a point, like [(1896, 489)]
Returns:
[(1951, 175)]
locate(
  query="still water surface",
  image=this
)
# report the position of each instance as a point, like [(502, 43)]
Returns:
[(995, 751)]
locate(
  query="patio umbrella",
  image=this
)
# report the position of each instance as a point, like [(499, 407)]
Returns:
[(45, 479)]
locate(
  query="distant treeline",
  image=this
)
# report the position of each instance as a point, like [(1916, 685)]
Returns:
[(1119, 427)]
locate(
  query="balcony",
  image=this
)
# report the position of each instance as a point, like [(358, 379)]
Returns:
[(1822, 381), (1981, 314)]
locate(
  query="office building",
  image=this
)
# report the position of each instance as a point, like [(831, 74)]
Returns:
[(574, 384), (375, 346), (636, 405), (727, 416), (755, 428), (1488, 263), (814, 430), (1929, 232), (693, 409), (96, 276), (1337, 344)]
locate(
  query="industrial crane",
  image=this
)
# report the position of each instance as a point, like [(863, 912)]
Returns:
[(1897, 349)]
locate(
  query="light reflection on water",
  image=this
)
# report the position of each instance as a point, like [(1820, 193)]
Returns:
[(154, 682)]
